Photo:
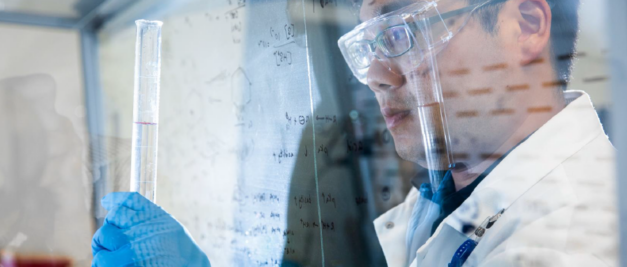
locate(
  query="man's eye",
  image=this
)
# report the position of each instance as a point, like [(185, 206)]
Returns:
[(399, 35)]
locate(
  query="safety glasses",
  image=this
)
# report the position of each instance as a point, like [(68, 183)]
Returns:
[(401, 40)]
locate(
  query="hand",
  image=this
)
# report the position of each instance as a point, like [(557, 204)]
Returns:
[(137, 232)]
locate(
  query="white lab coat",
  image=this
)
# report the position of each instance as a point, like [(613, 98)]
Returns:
[(560, 185)]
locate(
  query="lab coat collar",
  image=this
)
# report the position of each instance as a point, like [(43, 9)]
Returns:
[(562, 136), (391, 228)]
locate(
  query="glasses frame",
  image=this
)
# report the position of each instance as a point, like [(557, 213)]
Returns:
[(378, 43)]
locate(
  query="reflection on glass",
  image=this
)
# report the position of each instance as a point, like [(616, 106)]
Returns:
[(291, 149), (39, 163)]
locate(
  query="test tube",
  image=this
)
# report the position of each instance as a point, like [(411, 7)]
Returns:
[(146, 108)]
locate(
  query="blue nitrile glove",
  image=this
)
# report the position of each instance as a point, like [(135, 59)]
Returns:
[(137, 232)]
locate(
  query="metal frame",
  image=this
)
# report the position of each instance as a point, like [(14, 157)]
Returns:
[(95, 120), (37, 20), (616, 20)]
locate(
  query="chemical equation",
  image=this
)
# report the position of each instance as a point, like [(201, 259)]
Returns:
[(296, 119), (283, 58), (304, 119), (302, 200), (354, 146), (258, 230), (234, 17), (269, 262), (314, 224), (283, 154), (286, 34), (328, 225), (328, 199), (276, 35), (263, 44), (263, 197), (288, 232), (280, 38), (239, 242), (243, 199), (286, 235), (289, 251), (327, 118), (289, 31), (263, 229), (307, 224), (323, 149), (262, 215)]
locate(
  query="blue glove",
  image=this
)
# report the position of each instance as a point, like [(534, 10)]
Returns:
[(137, 232)]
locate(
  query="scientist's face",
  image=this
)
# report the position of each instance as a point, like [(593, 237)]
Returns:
[(477, 71)]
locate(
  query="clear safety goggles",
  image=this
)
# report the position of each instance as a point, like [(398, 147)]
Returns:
[(402, 39)]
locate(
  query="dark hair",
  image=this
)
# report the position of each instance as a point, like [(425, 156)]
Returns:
[(565, 25)]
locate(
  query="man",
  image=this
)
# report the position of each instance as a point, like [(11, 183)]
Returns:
[(532, 157), (530, 180)]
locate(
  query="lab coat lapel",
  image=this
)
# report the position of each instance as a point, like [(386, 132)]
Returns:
[(553, 143), (557, 140), (443, 248), (391, 229)]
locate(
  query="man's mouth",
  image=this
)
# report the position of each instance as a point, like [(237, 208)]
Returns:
[(394, 117)]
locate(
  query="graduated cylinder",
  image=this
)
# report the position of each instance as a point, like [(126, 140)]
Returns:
[(146, 108)]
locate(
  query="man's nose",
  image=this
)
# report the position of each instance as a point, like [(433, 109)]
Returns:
[(381, 78)]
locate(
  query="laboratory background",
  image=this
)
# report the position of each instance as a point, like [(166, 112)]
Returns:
[(270, 152)]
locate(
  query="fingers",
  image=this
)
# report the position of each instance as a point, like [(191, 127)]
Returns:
[(163, 228), (121, 257), (131, 200), (127, 209), (108, 237), (124, 217)]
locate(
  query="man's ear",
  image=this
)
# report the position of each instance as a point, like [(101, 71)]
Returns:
[(535, 28)]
